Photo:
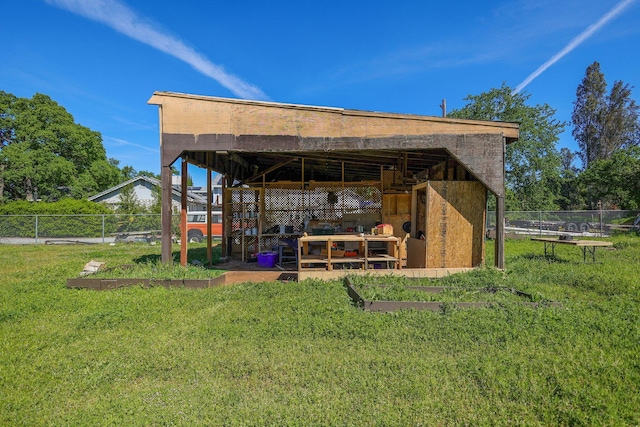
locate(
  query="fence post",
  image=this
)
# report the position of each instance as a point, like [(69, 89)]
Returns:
[(102, 228), (540, 223), (36, 229), (600, 215)]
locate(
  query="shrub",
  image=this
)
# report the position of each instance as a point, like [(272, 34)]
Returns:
[(62, 207)]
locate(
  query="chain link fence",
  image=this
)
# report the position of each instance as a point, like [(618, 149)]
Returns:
[(51, 229), (102, 228), (579, 223)]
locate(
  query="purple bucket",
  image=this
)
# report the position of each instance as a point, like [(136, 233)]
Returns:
[(267, 259)]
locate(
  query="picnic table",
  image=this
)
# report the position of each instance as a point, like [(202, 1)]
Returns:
[(585, 245)]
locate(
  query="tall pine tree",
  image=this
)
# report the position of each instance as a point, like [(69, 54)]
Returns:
[(603, 123)]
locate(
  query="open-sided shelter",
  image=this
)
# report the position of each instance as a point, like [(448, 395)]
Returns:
[(294, 167)]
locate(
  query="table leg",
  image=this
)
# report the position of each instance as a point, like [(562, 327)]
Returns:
[(366, 255), (553, 249), (591, 250)]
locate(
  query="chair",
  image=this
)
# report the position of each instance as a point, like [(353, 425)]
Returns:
[(284, 245)]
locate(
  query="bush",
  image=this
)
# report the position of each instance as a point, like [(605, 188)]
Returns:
[(62, 207)]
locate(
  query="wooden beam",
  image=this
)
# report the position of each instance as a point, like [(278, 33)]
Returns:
[(225, 214), (271, 169), (183, 215), (239, 160), (209, 203), (480, 153)]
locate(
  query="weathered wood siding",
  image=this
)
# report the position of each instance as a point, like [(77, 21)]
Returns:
[(189, 114)]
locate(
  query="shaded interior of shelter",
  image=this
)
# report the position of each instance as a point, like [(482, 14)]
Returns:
[(381, 175), (357, 166)]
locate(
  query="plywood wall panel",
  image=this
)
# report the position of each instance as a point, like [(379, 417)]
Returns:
[(403, 204), (455, 224)]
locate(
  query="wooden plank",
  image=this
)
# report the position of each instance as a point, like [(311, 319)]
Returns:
[(406, 272)]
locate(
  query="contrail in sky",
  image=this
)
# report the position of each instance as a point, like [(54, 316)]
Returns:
[(617, 10), (118, 141), (121, 18)]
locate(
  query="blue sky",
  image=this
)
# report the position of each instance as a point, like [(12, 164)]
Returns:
[(102, 60)]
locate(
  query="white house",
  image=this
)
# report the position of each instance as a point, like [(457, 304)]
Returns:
[(216, 190), (143, 188)]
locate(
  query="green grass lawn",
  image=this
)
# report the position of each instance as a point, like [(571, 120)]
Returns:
[(302, 354)]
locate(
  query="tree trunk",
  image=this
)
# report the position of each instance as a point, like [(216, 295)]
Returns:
[(2, 168), (28, 190)]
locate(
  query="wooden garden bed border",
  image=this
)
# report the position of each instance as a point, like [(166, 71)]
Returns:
[(389, 306)]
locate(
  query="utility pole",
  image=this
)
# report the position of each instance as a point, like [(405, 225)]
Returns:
[(444, 108)]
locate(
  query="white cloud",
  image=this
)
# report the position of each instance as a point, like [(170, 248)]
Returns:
[(121, 18), (577, 41)]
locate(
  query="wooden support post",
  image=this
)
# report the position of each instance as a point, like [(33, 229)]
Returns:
[(302, 184), (225, 215), (166, 233), (499, 244), (342, 179), (183, 215), (209, 203)]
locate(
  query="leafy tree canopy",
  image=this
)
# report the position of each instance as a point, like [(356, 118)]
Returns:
[(533, 162), (45, 154), (615, 181)]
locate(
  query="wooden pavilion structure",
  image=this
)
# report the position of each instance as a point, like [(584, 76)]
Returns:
[(434, 172)]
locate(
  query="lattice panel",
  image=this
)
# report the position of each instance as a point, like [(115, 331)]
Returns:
[(325, 204), (242, 197), (243, 219), (284, 206)]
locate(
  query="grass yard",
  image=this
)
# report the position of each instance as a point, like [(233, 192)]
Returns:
[(301, 354)]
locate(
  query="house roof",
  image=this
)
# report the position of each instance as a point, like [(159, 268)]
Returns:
[(152, 181)]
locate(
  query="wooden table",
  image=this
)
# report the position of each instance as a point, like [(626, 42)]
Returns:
[(586, 245), (363, 258)]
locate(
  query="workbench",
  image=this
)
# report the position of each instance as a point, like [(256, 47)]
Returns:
[(365, 259), (585, 245)]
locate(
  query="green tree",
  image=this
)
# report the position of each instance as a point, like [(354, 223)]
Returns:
[(128, 173), (44, 152), (129, 203), (149, 175), (603, 124), (533, 162), (156, 205), (570, 189), (615, 181), (7, 132), (99, 176)]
